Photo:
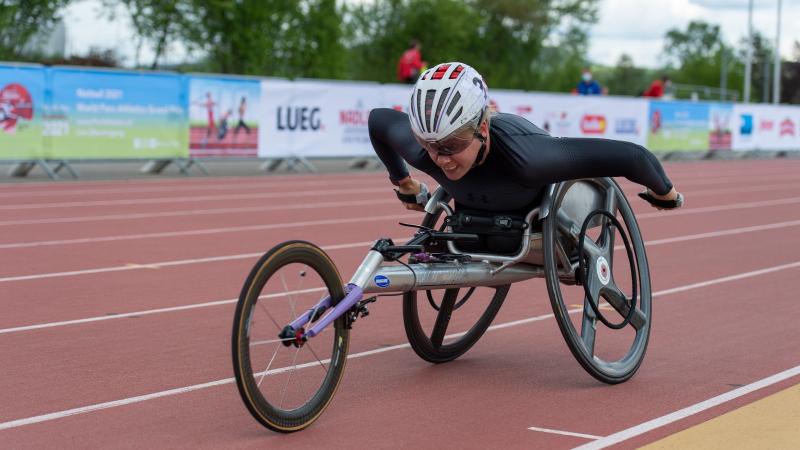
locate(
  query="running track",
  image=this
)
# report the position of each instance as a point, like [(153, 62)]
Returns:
[(117, 301)]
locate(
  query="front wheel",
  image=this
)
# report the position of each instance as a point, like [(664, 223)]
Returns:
[(287, 383)]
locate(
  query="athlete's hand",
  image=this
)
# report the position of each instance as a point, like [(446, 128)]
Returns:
[(671, 200), (410, 186)]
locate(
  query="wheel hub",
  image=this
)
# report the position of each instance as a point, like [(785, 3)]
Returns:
[(603, 270)]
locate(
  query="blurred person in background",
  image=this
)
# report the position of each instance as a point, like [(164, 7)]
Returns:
[(411, 64), (657, 87), (587, 85)]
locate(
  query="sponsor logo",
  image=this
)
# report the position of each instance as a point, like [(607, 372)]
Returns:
[(593, 124), (626, 125), (398, 108), (746, 129), (382, 281), (353, 117), (766, 125), (524, 109), (15, 105), (299, 118), (787, 127)]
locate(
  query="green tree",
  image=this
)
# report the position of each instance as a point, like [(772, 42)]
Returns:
[(504, 39), (156, 22), (286, 38), (534, 44), (378, 33), (761, 75), (624, 78), (22, 19), (698, 56)]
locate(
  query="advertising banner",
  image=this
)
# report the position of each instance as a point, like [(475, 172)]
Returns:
[(316, 119), (578, 116), (223, 116), (114, 114), (676, 126), (766, 127), (720, 124), (21, 100)]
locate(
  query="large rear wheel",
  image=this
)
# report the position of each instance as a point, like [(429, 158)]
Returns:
[(608, 275)]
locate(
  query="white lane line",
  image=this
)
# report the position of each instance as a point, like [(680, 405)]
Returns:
[(727, 279), (661, 214), (182, 390), (692, 237), (196, 198), (564, 433), (179, 262), (194, 212), (263, 184), (272, 182), (712, 234), (271, 226), (689, 411), (144, 215), (707, 209)]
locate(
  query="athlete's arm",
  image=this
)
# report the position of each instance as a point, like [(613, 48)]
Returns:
[(549, 160), (391, 137)]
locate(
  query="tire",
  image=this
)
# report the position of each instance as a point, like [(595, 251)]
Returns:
[(429, 345), (259, 304), (583, 343)]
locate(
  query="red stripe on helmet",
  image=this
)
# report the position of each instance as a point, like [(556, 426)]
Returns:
[(440, 71), (457, 71)]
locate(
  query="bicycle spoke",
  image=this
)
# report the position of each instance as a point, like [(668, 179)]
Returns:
[(288, 294), (263, 374), (271, 341), (263, 308), (289, 378), (324, 369)]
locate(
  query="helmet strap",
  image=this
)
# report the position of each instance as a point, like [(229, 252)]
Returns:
[(482, 152)]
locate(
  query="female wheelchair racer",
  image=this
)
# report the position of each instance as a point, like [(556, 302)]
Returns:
[(525, 205)]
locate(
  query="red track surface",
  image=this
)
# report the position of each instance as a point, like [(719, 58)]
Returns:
[(77, 251)]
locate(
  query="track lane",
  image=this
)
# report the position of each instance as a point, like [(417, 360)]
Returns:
[(259, 440), (133, 339), (432, 399)]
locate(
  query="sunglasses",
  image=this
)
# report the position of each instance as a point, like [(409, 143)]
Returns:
[(449, 146)]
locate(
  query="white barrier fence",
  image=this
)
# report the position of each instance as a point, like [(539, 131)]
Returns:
[(329, 118)]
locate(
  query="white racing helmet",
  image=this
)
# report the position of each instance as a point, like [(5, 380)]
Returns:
[(447, 98)]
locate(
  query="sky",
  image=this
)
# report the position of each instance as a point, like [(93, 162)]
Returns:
[(635, 27)]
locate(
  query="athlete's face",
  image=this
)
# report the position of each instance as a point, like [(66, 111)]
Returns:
[(457, 165)]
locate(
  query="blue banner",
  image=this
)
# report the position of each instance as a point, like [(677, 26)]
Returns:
[(22, 96), (116, 114)]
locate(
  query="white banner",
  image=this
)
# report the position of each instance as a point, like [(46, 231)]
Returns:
[(765, 127), (329, 118), (316, 119), (579, 116)]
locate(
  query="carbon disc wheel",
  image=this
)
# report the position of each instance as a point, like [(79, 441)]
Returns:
[(611, 355)]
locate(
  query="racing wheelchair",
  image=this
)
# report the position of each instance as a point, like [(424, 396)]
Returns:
[(293, 319)]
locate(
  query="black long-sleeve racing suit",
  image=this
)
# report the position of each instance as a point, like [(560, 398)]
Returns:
[(523, 159)]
